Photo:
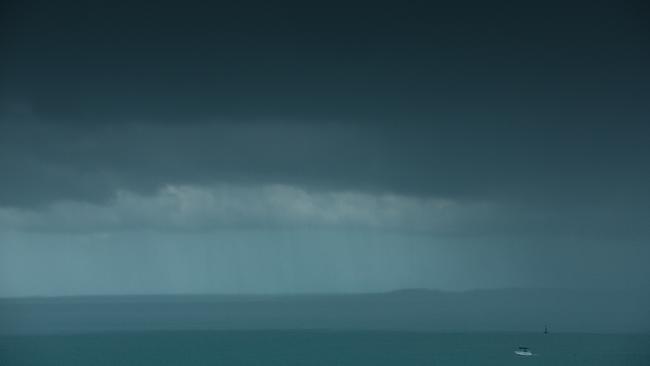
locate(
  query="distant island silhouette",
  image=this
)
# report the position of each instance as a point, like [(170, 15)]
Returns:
[(520, 310)]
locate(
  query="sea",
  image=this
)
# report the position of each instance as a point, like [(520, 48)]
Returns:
[(322, 348)]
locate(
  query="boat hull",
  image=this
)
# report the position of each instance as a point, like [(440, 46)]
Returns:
[(524, 353)]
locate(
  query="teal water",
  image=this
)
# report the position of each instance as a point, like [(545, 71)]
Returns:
[(332, 348)]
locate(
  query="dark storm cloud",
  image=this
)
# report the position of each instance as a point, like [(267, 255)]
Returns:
[(104, 62), (539, 107), (538, 181), (543, 100), (43, 162)]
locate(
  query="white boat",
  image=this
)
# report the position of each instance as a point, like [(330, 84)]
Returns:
[(523, 351)]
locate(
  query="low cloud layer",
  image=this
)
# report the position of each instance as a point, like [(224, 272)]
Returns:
[(516, 159), (187, 208)]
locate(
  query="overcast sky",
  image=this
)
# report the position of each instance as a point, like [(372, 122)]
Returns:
[(323, 147)]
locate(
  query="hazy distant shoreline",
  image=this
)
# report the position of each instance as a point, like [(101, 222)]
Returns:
[(251, 296), (506, 310)]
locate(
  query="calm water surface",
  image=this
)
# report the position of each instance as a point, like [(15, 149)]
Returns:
[(323, 348)]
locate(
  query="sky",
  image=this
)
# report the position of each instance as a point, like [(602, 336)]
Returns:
[(309, 147)]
